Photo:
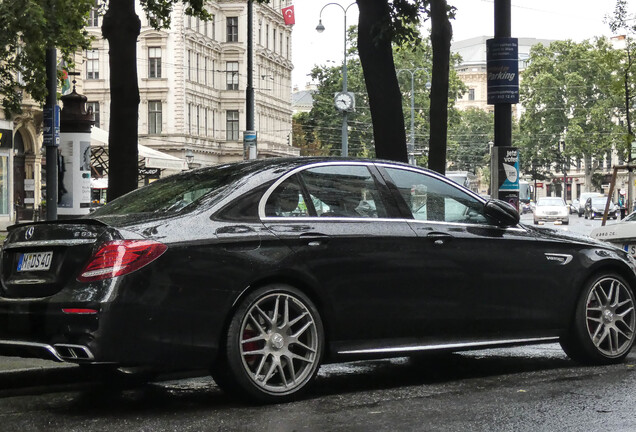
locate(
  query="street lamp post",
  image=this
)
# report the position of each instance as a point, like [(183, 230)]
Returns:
[(565, 178), (320, 28), (411, 145)]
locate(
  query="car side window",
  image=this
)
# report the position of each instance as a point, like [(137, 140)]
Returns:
[(287, 200), (343, 191), (432, 199)]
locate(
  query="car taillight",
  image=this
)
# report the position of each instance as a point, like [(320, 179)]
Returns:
[(120, 257)]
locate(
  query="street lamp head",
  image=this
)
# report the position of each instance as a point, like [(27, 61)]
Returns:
[(189, 155), (320, 28)]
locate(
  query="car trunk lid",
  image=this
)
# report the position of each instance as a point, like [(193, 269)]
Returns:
[(38, 259)]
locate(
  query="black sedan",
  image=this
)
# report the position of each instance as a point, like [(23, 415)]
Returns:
[(260, 271)]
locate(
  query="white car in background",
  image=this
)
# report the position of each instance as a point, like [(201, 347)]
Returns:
[(621, 234), (551, 209)]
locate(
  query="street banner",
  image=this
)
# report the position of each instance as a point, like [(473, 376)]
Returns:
[(502, 58), (65, 81), (288, 14)]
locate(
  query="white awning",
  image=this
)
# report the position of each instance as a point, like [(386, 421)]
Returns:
[(150, 157)]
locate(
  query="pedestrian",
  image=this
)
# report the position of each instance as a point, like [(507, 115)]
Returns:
[(621, 203)]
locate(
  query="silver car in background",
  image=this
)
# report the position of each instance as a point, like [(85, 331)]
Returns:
[(551, 209)]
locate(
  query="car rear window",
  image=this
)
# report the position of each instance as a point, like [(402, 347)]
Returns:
[(174, 193)]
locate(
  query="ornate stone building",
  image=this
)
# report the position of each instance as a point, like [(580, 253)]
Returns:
[(192, 82)]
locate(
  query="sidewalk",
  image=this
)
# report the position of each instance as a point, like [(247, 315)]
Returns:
[(25, 372)]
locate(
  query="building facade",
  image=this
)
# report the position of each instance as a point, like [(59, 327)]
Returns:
[(192, 81), (193, 78)]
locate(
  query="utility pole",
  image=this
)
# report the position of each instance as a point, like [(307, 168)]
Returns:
[(503, 91), (51, 134)]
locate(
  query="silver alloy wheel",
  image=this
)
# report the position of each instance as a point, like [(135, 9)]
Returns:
[(610, 317), (279, 343)]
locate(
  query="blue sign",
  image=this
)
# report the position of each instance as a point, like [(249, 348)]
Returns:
[(249, 136), (51, 132), (508, 168), (503, 70)]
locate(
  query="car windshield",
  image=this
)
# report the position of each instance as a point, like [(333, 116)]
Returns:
[(174, 193), (550, 202), (630, 218), (600, 201)]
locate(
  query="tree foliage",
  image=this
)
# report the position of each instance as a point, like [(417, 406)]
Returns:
[(469, 138), (569, 95), (319, 131), (29, 27), (621, 22)]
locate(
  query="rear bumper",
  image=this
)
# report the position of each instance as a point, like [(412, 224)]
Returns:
[(57, 352), (552, 218), (125, 335)]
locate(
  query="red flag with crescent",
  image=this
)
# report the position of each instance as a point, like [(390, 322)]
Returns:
[(288, 14)]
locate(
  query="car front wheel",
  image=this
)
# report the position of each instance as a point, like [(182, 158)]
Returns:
[(604, 324), (274, 345)]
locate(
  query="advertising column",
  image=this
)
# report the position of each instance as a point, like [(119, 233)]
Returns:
[(74, 157), (74, 174), (6, 145)]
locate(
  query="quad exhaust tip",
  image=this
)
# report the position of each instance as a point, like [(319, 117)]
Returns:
[(70, 352)]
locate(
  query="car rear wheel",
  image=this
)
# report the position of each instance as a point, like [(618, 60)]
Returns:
[(604, 326), (274, 346)]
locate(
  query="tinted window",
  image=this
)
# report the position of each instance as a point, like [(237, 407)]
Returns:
[(173, 193), (343, 191), (432, 199), (287, 200)]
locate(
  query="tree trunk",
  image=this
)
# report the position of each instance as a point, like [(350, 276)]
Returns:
[(121, 28), (385, 98), (441, 34)]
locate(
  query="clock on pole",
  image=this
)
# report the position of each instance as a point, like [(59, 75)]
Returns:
[(344, 101)]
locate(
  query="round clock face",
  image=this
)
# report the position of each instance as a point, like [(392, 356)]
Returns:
[(343, 101)]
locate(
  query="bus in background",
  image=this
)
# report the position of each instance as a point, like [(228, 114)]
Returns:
[(525, 192)]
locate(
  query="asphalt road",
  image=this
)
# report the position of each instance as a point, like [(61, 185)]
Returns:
[(530, 389), (577, 224)]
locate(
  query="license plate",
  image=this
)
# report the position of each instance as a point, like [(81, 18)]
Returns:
[(35, 261), (630, 248)]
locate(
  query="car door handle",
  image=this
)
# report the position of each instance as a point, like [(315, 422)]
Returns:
[(315, 239), (439, 238)]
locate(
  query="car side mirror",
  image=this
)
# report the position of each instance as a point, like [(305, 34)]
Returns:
[(501, 212)]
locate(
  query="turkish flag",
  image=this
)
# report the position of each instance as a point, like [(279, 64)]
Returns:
[(288, 14)]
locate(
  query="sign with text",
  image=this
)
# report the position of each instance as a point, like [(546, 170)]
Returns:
[(51, 132), (502, 56), (506, 169)]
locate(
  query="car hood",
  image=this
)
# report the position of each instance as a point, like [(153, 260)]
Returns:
[(568, 236)]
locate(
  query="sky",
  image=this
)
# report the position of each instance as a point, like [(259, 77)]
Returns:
[(542, 19)]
